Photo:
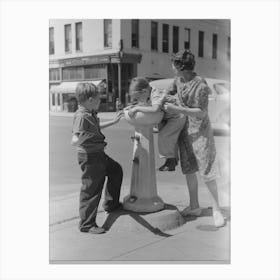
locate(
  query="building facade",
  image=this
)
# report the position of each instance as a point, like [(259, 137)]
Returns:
[(109, 52)]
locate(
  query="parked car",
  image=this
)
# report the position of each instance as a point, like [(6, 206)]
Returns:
[(218, 106)]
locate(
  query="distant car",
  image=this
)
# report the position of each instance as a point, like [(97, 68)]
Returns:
[(218, 106)]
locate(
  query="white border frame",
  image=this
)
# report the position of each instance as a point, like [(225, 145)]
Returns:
[(255, 138)]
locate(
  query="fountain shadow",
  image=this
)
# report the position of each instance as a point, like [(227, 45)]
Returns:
[(139, 218)]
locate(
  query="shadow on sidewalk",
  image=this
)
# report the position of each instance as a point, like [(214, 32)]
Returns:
[(138, 217)]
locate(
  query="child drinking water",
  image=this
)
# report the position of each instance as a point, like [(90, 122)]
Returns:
[(152, 100)]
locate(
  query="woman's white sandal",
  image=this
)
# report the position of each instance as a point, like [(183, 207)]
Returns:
[(219, 220)]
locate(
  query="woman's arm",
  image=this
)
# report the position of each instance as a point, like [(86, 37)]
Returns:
[(201, 104)]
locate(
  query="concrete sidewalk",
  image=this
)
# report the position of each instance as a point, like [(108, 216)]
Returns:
[(136, 237), (131, 237)]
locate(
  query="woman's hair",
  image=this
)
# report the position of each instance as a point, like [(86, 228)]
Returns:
[(86, 90), (137, 85), (184, 60)]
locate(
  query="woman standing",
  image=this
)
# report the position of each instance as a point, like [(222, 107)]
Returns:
[(196, 141)]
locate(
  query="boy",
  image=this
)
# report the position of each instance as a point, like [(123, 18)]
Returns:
[(94, 163), (153, 100)]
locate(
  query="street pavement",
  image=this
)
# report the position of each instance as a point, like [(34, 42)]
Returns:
[(131, 237)]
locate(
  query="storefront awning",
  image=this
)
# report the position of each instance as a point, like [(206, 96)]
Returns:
[(70, 87)]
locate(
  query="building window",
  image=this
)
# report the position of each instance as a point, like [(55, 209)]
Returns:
[(135, 33), (228, 47), (154, 35), (68, 37), (187, 39), (165, 38), (73, 73), (86, 72), (53, 99), (214, 45), (51, 40), (107, 33), (200, 43), (95, 72), (175, 39), (79, 36), (54, 74)]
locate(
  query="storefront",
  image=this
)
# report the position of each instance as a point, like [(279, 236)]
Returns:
[(111, 73), (62, 97)]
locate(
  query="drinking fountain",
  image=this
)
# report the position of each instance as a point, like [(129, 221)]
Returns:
[(143, 195)]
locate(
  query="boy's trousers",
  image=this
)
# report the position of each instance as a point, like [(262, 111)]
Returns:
[(95, 168), (168, 136)]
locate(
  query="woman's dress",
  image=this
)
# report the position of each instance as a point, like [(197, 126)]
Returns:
[(196, 141)]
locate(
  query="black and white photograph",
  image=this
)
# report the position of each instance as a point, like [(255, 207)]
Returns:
[(139, 140)]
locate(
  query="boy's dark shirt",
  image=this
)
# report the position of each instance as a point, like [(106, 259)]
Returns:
[(86, 121)]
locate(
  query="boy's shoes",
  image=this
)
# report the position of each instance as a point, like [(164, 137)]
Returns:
[(94, 230), (169, 165), (191, 212), (219, 220)]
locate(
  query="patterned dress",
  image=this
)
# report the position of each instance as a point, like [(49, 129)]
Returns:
[(196, 141)]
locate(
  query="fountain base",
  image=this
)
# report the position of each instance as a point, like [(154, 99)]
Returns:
[(145, 205)]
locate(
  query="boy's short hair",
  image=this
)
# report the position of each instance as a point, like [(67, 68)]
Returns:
[(86, 90), (137, 85)]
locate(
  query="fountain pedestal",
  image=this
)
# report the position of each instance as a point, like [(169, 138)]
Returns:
[(143, 195)]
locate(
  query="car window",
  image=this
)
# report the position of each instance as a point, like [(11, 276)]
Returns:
[(222, 88)]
